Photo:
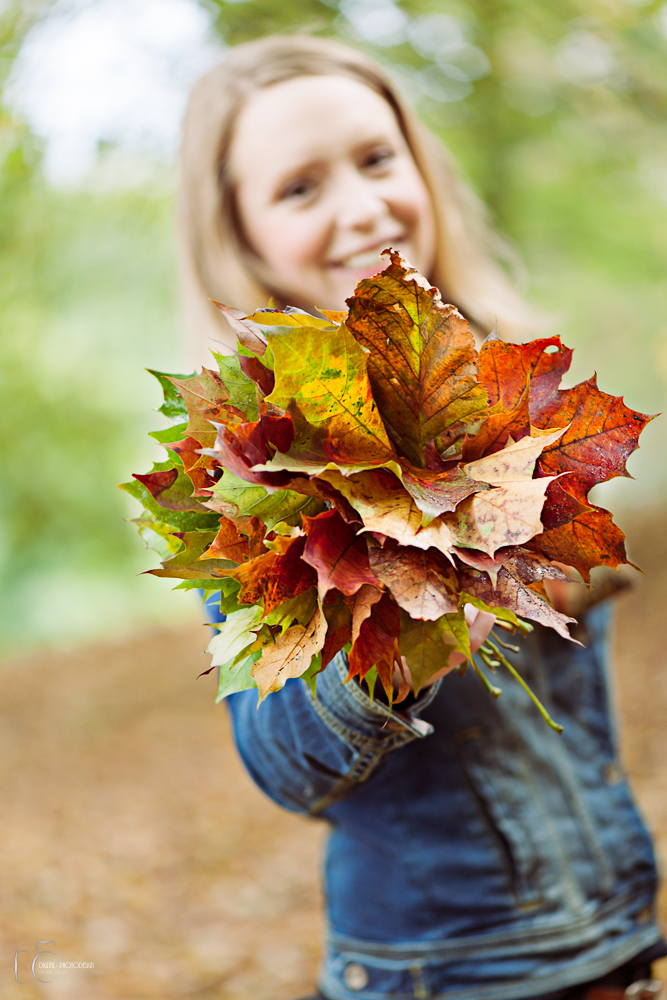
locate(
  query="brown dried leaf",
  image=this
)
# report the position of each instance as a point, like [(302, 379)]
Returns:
[(591, 539), (437, 493), (386, 508), (513, 593), (422, 583), (506, 515), (375, 642), (422, 362), (230, 543), (602, 433), (339, 631), (275, 576), (361, 605), (337, 553), (505, 369), (289, 655)]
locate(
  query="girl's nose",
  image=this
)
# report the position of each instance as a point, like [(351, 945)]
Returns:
[(359, 206)]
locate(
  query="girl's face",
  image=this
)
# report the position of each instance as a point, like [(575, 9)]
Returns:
[(325, 182)]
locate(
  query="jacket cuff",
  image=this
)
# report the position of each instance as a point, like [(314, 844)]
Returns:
[(347, 709)]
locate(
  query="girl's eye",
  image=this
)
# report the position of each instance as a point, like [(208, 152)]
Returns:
[(379, 158), (297, 190)]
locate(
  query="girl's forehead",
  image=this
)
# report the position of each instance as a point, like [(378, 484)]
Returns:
[(309, 117)]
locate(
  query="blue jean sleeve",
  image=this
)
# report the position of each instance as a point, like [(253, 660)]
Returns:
[(308, 752)]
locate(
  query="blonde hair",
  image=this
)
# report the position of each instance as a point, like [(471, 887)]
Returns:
[(216, 262)]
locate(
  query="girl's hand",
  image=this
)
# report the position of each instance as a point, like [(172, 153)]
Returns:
[(573, 598), (479, 625)]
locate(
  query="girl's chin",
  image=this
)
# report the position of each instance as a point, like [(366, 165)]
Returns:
[(342, 282), (369, 271), (348, 278)]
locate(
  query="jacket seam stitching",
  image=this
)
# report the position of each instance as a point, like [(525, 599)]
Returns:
[(358, 739)]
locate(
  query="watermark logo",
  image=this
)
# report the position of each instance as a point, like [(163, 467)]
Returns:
[(46, 967)]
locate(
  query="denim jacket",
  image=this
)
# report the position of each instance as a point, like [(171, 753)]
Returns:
[(473, 851)]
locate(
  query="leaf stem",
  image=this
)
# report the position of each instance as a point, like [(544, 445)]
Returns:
[(492, 648), (505, 645), (488, 660), (491, 688)]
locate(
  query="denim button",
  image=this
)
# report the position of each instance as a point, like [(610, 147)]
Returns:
[(644, 989), (423, 728), (613, 774), (355, 976)]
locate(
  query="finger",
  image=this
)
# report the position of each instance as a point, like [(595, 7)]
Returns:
[(444, 671), (479, 624), (402, 679), (455, 660)]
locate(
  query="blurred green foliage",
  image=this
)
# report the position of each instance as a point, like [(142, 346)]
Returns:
[(556, 111), (87, 301)]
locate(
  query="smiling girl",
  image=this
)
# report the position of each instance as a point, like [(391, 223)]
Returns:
[(473, 852), (300, 164)]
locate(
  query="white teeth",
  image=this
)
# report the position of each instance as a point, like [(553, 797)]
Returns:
[(371, 258), (360, 261)]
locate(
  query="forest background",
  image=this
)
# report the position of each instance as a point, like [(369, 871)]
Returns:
[(556, 111)]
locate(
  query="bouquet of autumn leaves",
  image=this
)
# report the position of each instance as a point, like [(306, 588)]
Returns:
[(354, 481)]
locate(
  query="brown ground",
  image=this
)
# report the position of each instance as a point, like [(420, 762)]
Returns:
[(133, 839)]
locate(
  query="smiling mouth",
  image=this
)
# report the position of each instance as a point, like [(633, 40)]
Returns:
[(368, 258)]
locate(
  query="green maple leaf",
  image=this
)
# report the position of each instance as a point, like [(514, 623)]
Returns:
[(310, 675), (241, 389), (299, 609), (208, 586), (173, 433), (157, 535), (256, 501), (426, 645), (170, 487), (205, 396), (502, 614), (184, 564), (322, 378), (234, 635), (235, 677), (181, 520), (173, 407)]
